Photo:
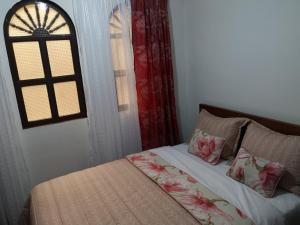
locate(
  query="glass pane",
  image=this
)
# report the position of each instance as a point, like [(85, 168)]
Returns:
[(28, 59), (36, 103), (52, 13), (122, 89), (32, 12), (118, 54), (115, 23), (67, 98), (42, 11), (24, 23), (120, 17), (60, 57), (60, 27), (59, 21), (18, 28)]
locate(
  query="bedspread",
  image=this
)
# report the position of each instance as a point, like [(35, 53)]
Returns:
[(110, 194)]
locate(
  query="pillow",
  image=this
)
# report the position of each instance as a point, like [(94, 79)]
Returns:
[(259, 174), (227, 128), (207, 147), (285, 149)]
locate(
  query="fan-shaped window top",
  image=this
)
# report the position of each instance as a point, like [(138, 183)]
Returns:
[(118, 20), (37, 19)]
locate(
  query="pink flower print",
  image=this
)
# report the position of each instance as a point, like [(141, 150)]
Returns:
[(172, 187), (156, 167), (202, 202), (152, 154), (240, 174), (206, 148), (191, 179), (241, 214), (136, 158), (269, 175), (208, 206)]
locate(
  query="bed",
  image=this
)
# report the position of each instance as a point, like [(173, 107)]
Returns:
[(124, 192)]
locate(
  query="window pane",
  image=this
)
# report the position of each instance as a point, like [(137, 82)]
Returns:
[(42, 7), (60, 57), (25, 31), (28, 59), (67, 98), (115, 24), (119, 19), (36, 102), (28, 25), (58, 24), (32, 12), (118, 53), (122, 88)]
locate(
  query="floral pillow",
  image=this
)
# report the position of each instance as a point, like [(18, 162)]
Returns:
[(207, 147), (259, 174)]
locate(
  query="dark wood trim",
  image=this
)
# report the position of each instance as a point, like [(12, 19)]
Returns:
[(38, 15), (49, 81), (24, 22), (46, 17), (48, 78), (122, 108), (29, 16), (15, 77), (53, 80), (38, 38), (77, 69), (120, 73), (52, 121), (276, 125), (52, 21)]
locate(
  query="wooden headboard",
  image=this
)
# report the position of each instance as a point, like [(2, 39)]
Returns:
[(278, 126)]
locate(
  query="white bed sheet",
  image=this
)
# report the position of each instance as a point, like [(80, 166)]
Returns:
[(261, 210)]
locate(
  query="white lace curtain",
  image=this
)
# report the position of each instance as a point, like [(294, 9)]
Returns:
[(113, 133)]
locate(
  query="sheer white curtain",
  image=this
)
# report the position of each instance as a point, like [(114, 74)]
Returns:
[(14, 176), (113, 134)]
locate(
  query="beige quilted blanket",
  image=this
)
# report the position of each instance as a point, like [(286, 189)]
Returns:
[(116, 193)]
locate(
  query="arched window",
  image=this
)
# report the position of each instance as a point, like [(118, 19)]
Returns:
[(120, 18), (44, 60)]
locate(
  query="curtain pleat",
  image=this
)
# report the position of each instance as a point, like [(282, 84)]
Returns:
[(113, 134), (14, 176), (154, 73)]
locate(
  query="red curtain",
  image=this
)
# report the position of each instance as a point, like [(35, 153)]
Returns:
[(154, 73)]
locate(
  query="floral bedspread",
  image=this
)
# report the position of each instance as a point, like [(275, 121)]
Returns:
[(204, 205)]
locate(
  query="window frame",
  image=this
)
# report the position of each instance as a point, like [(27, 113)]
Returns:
[(48, 79)]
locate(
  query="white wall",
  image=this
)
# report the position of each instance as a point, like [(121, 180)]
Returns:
[(177, 20), (243, 55), (52, 150)]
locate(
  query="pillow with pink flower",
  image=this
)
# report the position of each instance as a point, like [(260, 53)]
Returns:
[(207, 147), (259, 174)]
